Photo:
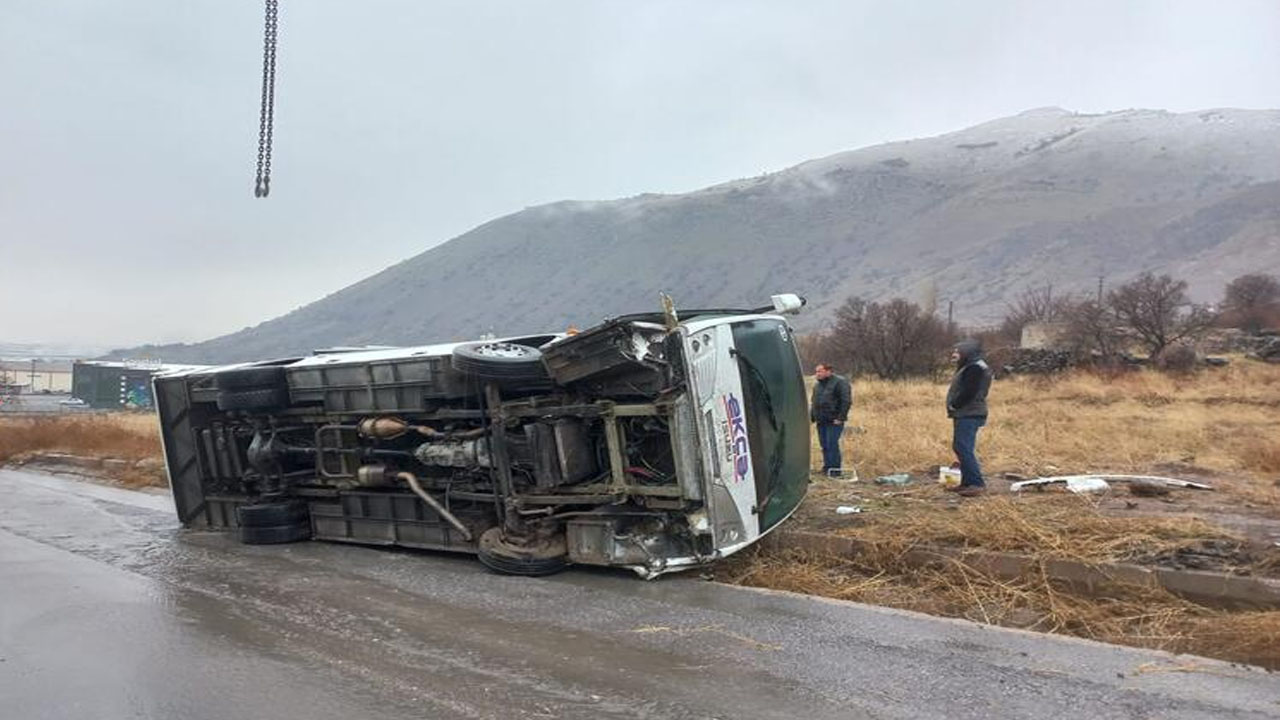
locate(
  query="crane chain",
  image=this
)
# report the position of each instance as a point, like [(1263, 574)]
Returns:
[(266, 120)]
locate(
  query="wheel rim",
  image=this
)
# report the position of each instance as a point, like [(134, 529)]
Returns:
[(504, 350)]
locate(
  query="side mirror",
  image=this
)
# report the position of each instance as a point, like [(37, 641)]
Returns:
[(787, 303)]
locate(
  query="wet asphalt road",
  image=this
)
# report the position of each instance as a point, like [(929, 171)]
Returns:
[(109, 610)]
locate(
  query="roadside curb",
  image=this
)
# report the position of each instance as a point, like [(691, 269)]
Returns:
[(87, 465), (83, 462), (1207, 588)]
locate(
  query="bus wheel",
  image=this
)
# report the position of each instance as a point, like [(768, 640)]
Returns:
[(543, 556)]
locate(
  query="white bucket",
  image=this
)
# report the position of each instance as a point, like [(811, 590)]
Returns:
[(948, 476)]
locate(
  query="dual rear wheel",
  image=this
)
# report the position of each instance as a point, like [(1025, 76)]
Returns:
[(273, 523)]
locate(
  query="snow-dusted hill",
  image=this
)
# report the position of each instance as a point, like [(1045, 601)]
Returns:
[(1047, 196)]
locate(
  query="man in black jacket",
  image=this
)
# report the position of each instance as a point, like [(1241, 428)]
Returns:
[(829, 408), (967, 408)]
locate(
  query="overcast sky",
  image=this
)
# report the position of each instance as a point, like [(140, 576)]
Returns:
[(128, 128)]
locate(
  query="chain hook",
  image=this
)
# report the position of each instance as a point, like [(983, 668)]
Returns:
[(266, 118)]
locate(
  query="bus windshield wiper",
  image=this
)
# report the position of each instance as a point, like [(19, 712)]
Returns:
[(775, 466), (754, 372)]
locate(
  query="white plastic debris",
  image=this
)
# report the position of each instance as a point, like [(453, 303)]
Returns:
[(1087, 485), (848, 510), (1066, 479)]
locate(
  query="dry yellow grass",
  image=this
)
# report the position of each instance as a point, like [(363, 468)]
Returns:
[(1222, 421), (1060, 526), (1221, 424), (128, 436)]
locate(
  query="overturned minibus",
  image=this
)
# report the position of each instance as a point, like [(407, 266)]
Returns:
[(656, 442)]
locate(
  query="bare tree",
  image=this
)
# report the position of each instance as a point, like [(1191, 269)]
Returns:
[(893, 340), (1156, 309), (1252, 302), (812, 348), (1032, 305), (841, 342), (1092, 328)]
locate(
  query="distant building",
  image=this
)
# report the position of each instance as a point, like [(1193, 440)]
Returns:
[(1040, 335), (116, 385), (36, 376)]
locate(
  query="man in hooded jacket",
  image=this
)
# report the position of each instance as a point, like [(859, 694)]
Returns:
[(967, 408)]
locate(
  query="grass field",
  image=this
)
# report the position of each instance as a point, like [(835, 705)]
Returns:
[(1222, 421), (1220, 426)]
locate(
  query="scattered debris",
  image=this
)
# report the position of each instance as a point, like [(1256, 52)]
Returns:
[(894, 479), (1148, 479), (848, 509), (1216, 361), (1038, 483)]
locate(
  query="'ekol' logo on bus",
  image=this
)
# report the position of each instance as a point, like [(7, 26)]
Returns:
[(737, 436)]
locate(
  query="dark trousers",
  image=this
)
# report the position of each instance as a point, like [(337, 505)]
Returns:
[(829, 438), (964, 441)]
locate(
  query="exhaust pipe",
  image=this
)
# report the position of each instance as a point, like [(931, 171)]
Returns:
[(434, 504)]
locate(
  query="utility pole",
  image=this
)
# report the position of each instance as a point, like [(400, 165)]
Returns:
[(1100, 290), (951, 304), (32, 376)]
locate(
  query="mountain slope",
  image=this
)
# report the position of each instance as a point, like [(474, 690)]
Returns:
[(1047, 196)]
